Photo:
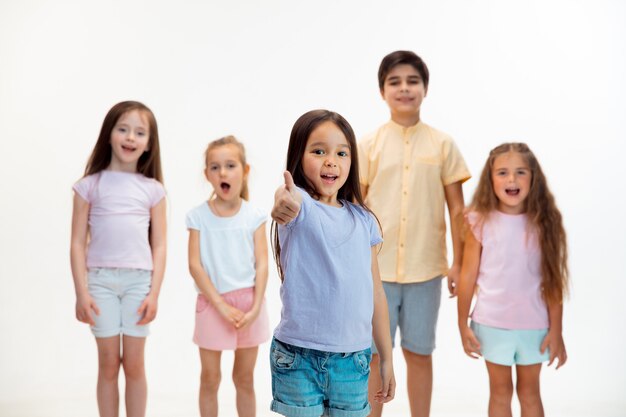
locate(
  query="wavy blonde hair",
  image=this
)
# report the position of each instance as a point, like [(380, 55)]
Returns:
[(543, 215)]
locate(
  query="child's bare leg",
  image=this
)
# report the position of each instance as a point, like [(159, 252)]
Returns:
[(528, 390), (135, 373), (419, 373), (374, 383), (209, 381), (500, 390), (243, 377), (108, 372)]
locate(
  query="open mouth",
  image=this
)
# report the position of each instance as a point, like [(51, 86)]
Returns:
[(512, 191), (225, 187), (329, 178), (128, 148)]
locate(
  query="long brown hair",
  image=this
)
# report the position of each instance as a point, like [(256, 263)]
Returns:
[(542, 213), (149, 163), (302, 129), (230, 140)]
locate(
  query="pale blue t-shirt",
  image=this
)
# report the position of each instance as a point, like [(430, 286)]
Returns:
[(327, 293), (227, 245)]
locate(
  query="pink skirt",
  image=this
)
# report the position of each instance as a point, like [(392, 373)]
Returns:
[(213, 332)]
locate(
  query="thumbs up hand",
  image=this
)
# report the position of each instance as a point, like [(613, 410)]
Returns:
[(287, 201)]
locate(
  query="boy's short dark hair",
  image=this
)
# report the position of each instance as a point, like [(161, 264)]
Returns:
[(398, 58)]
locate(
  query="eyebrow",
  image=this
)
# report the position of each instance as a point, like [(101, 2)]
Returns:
[(410, 77), (325, 144)]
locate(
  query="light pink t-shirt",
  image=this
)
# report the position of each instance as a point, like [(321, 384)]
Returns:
[(119, 218), (509, 276)]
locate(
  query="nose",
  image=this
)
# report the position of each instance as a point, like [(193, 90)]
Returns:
[(330, 162)]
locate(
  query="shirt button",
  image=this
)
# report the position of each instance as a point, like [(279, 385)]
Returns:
[(406, 167), (401, 245)]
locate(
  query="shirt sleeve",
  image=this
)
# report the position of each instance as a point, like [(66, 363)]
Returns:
[(454, 168), (258, 218), (84, 186), (157, 193), (192, 220), (375, 237), (475, 223)]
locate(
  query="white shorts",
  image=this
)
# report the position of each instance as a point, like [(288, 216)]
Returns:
[(118, 293)]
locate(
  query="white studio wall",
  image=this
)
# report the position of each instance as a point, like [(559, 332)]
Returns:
[(549, 73)]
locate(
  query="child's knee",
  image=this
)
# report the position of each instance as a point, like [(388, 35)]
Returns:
[(243, 379), (133, 368), (529, 394), (210, 379), (109, 366)]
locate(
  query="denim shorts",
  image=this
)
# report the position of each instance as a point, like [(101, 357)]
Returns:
[(118, 293), (414, 308), (313, 383), (511, 347)]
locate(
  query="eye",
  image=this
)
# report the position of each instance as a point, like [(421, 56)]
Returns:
[(213, 167), (343, 154), (318, 152), (141, 133), (121, 129), (231, 166)]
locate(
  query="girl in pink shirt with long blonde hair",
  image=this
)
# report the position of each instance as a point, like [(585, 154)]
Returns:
[(515, 261)]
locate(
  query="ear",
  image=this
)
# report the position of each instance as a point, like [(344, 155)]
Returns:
[(246, 170)]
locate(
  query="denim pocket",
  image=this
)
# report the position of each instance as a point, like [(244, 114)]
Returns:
[(362, 362), (281, 356)]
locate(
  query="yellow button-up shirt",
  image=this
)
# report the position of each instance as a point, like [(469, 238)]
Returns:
[(405, 171)]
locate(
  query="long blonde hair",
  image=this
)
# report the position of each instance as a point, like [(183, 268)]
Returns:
[(542, 213), (231, 140)]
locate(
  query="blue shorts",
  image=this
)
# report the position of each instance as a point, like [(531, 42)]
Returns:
[(118, 293), (414, 308), (313, 383), (511, 347)]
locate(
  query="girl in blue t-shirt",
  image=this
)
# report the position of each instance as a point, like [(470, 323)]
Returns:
[(333, 299)]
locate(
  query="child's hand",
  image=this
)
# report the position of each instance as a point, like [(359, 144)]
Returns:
[(247, 318), (231, 314), (471, 345), (148, 309), (554, 342), (453, 279), (388, 390), (84, 306), (287, 201)]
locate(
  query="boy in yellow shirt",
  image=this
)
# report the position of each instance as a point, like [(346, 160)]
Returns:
[(409, 172)]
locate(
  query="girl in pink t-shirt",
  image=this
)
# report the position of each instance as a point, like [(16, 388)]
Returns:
[(515, 261), (118, 250)]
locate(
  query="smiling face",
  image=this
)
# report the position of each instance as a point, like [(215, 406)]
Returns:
[(130, 138), (226, 172), (511, 178), (404, 91), (326, 161)]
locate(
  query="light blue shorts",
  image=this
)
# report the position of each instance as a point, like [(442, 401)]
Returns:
[(414, 308), (313, 383), (118, 293), (511, 347)]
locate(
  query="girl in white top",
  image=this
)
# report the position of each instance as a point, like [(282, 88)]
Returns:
[(118, 250), (515, 261), (228, 262)]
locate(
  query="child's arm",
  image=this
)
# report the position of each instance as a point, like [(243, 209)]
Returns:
[(203, 281), (287, 201), (456, 204), (466, 286), (381, 334), (554, 339), (78, 260), (260, 282), (158, 226)]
